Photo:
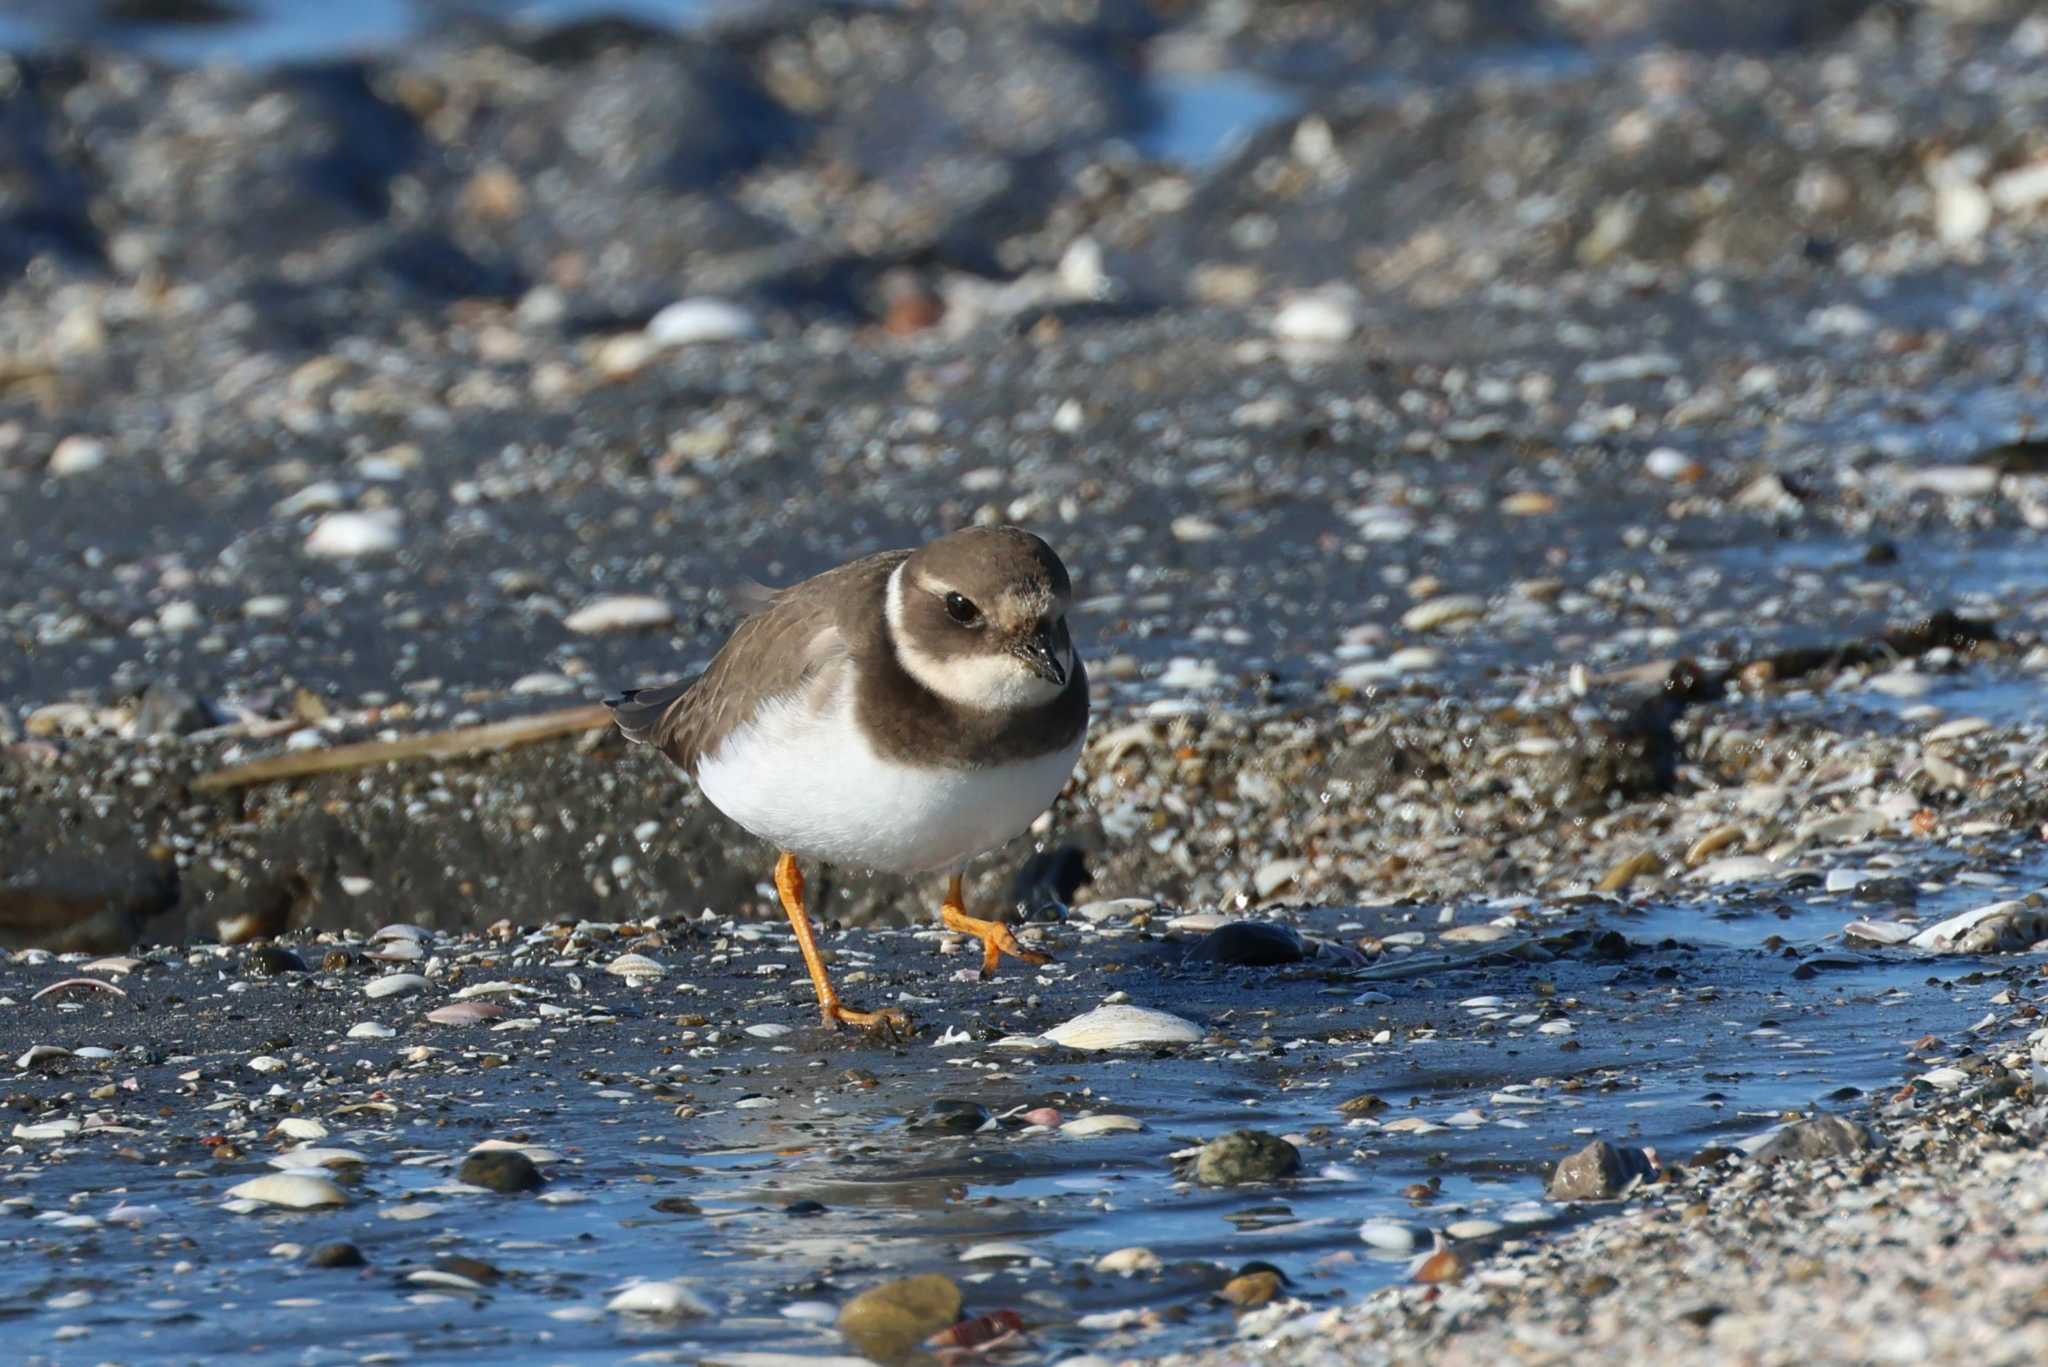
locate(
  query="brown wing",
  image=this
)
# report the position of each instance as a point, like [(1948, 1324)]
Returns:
[(772, 653)]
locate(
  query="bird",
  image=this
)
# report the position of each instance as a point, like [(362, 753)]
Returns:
[(906, 712)]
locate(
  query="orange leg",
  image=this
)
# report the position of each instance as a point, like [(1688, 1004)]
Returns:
[(996, 939), (789, 885)]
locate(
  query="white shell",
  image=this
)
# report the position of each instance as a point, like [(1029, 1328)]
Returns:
[(624, 612), (292, 1190), (394, 985), (671, 1300), (1123, 1027)]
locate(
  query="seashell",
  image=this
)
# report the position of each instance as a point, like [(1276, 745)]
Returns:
[(1123, 1026)]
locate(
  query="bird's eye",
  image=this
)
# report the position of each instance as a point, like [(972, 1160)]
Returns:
[(961, 610)]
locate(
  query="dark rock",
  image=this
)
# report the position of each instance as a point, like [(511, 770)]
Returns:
[(476, 1269), (950, 1116), (677, 1205), (1826, 1136), (1046, 883), (501, 1170), (166, 710), (336, 1255), (1246, 1156), (1251, 944), (268, 961), (803, 1208), (1598, 1172)]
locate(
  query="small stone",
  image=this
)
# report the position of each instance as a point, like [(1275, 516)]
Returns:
[(659, 1300), (336, 1255), (889, 1322), (1389, 1235), (1088, 1126), (1440, 1267), (268, 961), (948, 1115), (1441, 613), (1128, 1262), (1252, 1290), (1123, 1026), (1246, 1156), (693, 322), (1251, 944), (1323, 317), (1827, 1136), (342, 536), (500, 1170), (77, 455), (1598, 1172), (291, 1190), (621, 612)]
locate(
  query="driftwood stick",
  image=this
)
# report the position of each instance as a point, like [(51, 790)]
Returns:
[(467, 740)]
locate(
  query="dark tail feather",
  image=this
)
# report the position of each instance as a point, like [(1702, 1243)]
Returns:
[(640, 710)]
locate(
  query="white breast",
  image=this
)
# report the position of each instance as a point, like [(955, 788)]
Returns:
[(803, 777)]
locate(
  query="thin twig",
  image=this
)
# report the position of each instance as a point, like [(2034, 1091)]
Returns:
[(467, 740)]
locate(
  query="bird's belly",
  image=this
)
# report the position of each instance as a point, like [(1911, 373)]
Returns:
[(813, 785)]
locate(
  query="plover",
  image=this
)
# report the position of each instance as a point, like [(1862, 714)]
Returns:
[(905, 713)]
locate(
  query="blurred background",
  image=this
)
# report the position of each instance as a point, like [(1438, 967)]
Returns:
[(385, 368)]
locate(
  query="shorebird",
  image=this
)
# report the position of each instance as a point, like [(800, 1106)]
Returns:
[(905, 712)]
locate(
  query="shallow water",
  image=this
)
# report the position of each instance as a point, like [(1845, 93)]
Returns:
[(1703, 1034)]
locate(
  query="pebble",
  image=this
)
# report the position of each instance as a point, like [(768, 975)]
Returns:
[(336, 1255), (1599, 1172), (1246, 1156), (1325, 316), (501, 1170), (1088, 1126), (696, 321), (1827, 1136), (291, 1190), (1123, 1026), (1250, 944), (949, 1115), (1128, 1262), (342, 536), (1449, 610), (621, 612), (659, 1300), (301, 1127), (295, 1160), (77, 455), (1391, 1235), (891, 1321)]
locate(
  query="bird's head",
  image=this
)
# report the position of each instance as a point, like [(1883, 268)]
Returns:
[(980, 618)]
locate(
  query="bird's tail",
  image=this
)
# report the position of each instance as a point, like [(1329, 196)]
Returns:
[(639, 711)]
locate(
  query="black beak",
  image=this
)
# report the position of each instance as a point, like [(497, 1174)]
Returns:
[(1041, 652)]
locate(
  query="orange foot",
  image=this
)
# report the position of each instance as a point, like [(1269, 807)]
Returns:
[(996, 938), (888, 1021)]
